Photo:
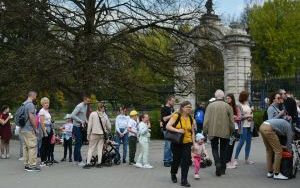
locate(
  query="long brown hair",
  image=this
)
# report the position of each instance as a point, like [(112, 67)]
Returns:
[(232, 104)]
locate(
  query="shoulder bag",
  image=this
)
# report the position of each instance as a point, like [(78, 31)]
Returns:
[(175, 137)]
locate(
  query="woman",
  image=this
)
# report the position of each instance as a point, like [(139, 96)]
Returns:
[(47, 130), (274, 111), (97, 127), (144, 140), (182, 152), (230, 99), (5, 131), (245, 128)]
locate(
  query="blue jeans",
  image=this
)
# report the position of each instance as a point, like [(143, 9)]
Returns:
[(168, 157), (123, 140), (78, 144), (245, 136)]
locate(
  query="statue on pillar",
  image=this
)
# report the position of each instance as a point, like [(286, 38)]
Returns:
[(209, 7)]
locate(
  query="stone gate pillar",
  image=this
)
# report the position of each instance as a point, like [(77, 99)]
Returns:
[(184, 76), (237, 60)]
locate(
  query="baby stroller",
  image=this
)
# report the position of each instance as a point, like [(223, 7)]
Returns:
[(290, 162), (110, 154)]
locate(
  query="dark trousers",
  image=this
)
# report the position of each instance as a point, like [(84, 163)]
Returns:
[(51, 152), (182, 157), (220, 153), (45, 148), (78, 144), (230, 149), (132, 148), (68, 145)]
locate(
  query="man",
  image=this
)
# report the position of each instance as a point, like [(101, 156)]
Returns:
[(270, 130), (289, 105), (122, 122), (166, 114), (219, 126), (79, 116), (199, 116), (28, 134)]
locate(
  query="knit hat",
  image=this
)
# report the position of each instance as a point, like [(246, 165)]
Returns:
[(199, 137)]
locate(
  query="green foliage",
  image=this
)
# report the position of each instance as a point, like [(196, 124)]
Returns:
[(258, 117), (275, 30), (155, 127)]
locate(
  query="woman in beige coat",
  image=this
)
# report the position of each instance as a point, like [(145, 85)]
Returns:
[(95, 134)]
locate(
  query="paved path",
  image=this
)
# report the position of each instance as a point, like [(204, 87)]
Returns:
[(66, 175)]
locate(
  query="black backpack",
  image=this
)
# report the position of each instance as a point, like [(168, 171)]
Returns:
[(21, 117)]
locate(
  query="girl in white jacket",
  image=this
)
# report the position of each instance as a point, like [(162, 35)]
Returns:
[(144, 140)]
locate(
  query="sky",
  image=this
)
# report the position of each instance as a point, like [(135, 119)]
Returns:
[(232, 8)]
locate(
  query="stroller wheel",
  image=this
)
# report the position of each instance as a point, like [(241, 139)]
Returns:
[(117, 159), (94, 160)]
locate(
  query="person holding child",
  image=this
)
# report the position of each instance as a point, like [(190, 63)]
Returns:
[(67, 129), (198, 154), (144, 140)]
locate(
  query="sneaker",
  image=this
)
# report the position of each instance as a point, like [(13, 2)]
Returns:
[(196, 176), (280, 177), (230, 166), (42, 164), (3, 156), (148, 166), (33, 169), (270, 175), (81, 164), (48, 163), (138, 165), (132, 163), (7, 156), (235, 163), (26, 168), (249, 162), (87, 166), (21, 159), (55, 161)]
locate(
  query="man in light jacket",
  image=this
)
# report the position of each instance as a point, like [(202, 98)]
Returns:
[(79, 116), (219, 125), (98, 126)]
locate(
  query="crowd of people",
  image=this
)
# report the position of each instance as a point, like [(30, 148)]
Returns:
[(222, 123)]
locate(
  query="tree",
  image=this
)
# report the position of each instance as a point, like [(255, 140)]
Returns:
[(275, 31), (93, 45)]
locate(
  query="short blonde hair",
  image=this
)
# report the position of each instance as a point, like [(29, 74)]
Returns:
[(44, 100)]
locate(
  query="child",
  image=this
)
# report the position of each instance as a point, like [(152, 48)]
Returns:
[(67, 137), (198, 150), (133, 134), (144, 139)]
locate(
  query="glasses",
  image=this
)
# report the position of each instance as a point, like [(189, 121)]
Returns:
[(278, 98)]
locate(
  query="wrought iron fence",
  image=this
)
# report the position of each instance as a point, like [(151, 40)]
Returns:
[(262, 88)]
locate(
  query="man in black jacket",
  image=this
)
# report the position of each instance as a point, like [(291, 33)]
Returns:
[(290, 105)]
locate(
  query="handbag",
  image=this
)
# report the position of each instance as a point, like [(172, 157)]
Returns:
[(174, 137), (104, 133)]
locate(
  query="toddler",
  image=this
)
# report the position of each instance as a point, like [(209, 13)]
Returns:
[(198, 152)]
